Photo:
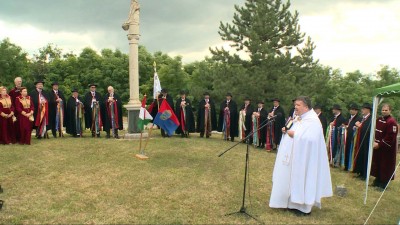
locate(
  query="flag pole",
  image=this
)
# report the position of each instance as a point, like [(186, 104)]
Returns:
[(141, 154), (148, 136)]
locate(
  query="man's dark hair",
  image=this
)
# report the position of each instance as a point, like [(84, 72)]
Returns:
[(306, 100)]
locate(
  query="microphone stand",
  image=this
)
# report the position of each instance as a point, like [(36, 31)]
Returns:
[(242, 209)]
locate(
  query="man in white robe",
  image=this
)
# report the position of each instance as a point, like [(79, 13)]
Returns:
[(301, 175)]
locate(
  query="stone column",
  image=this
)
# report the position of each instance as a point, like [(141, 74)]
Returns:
[(133, 106)]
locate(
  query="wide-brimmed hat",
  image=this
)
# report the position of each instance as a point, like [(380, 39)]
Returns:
[(337, 107), (317, 106), (354, 106), (38, 81), (91, 85), (367, 106), (275, 99), (54, 83), (74, 90)]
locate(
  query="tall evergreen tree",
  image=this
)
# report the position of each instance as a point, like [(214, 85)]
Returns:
[(266, 40)]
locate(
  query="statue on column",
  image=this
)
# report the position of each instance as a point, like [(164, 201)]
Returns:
[(133, 19)]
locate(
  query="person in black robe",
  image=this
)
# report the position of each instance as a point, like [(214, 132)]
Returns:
[(247, 110), (56, 100), (113, 113), (361, 156), (351, 122), (184, 113), (262, 115), (74, 115), (337, 122), (228, 107), (292, 112), (277, 124), (206, 108), (321, 117), (165, 96), (93, 106), (40, 99)]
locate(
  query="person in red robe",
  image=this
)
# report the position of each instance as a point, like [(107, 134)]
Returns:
[(7, 118), (24, 108), (385, 147), (14, 93)]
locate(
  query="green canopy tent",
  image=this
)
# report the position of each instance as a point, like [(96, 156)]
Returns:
[(379, 94)]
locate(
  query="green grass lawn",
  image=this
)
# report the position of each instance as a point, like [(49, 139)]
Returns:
[(90, 180)]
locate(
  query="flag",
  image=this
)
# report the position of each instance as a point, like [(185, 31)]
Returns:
[(156, 86), (166, 118), (144, 115)]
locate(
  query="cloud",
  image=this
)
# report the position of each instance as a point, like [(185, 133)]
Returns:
[(349, 34), (355, 35)]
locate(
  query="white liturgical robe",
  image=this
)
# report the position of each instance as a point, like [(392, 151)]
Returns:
[(301, 174)]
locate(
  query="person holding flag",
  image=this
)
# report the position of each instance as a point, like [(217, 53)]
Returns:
[(184, 112), (164, 97), (166, 118)]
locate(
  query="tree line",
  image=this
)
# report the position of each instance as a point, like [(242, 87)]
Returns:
[(269, 58)]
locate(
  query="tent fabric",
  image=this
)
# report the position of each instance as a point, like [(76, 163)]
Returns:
[(387, 91)]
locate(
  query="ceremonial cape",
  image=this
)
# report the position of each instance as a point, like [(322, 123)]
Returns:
[(301, 174)]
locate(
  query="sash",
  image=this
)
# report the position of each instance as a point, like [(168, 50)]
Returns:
[(79, 118), (42, 120), (255, 123), (183, 119), (270, 137), (60, 118), (226, 124), (96, 119), (351, 150), (207, 121), (242, 124)]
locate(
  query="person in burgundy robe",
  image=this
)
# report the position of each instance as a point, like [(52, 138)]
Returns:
[(25, 109), (14, 93), (7, 118), (385, 146)]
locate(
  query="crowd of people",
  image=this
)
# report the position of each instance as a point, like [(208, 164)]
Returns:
[(348, 142), (23, 110), (308, 147), (232, 121)]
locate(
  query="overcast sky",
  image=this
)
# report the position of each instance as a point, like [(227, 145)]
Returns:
[(349, 34)]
